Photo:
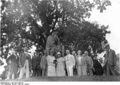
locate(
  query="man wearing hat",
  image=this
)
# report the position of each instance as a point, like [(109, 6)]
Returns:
[(110, 61)]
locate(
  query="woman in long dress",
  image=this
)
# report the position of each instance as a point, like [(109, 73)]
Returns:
[(79, 59), (81, 64), (51, 65), (60, 70)]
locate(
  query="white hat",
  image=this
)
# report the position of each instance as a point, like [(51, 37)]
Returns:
[(58, 53)]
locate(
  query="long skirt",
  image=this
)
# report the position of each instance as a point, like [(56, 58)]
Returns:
[(82, 70), (60, 70), (51, 71)]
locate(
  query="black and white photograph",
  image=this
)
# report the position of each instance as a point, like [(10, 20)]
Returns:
[(59, 40)]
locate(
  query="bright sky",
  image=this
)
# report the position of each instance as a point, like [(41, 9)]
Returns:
[(110, 17)]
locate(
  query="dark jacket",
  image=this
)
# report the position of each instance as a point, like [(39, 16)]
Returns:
[(23, 57), (98, 70), (13, 66), (110, 63), (110, 58)]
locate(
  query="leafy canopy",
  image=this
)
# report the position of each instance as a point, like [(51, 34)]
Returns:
[(30, 22)]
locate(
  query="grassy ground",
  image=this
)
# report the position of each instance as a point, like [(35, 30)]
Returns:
[(82, 78)]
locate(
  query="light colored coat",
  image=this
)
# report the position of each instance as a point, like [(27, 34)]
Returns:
[(81, 65), (43, 62), (60, 67), (51, 66), (70, 63), (70, 60)]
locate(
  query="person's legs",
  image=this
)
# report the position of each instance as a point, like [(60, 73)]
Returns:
[(112, 71), (84, 70), (79, 71), (33, 72), (107, 70), (22, 69), (90, 72), (39, 71), (15, 72), (68, 72), (27, 68), (43, 72), (8, 75), (119, 66), (9, 72), (74, 71), (104, 70), (71, 71), (13, 76)]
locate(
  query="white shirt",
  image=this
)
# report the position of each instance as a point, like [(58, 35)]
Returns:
[(79, 60), (70, 60)]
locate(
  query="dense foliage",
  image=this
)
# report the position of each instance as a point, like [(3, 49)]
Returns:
[(30, 22)]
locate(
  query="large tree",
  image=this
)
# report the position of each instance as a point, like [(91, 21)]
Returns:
[(30, 22)]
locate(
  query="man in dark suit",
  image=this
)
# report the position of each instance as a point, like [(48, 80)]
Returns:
[(110, 61), (36, 64)]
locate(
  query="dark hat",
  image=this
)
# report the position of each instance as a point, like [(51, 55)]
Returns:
[(106, 45)]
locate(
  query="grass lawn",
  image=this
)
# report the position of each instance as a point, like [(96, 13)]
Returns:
[(82, 78), (71, 79)]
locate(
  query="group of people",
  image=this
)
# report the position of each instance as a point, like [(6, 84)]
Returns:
[(18, 66), (65, 66), (74, 63), (79, 64)]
